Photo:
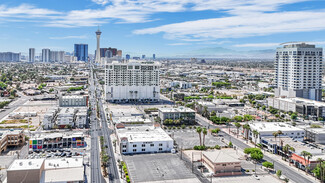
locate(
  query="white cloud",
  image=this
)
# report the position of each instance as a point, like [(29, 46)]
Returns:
[(178, 44), (137, 11), (258, 45), (238, 26), (101, 2), (70, 37)]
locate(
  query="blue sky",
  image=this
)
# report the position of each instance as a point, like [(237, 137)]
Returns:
[(164, 27)]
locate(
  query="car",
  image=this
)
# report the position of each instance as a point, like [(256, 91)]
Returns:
[(53, 150), (256, 177), (61, 150), (63, 154), (48, 156), (48, 150)]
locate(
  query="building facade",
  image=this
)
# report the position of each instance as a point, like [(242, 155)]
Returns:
[(46, 55), (11, 138), (81, 52), (132, 82), (9, 57), (143, 139), (31, 57), (299, 68), (70, 101), (186, 115)]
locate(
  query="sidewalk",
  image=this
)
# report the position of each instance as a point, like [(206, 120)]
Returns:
[(277, 158), (118, 156)]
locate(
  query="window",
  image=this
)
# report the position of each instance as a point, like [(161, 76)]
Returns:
[(160, 149), (134, 145), (134, 150), (143, 145), (123, 150), (224, 164), (152, 145), (143, 150), (123, 146), (160, 144)]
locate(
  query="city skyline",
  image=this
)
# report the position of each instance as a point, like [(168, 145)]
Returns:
[(167, 28)]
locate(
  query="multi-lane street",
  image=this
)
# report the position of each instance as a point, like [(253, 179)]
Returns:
[(96, 175), (112, 167), (287, 171)]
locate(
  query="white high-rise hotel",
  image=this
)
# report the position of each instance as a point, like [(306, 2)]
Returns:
[(299, 71), (134, 81)]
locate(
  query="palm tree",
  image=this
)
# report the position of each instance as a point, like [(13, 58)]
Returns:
[(280, 133), (247, 128), (255, 133), (308, 155), (320, 160), (238, 125), (205, 132), (205, 112), (286, 149), (199, 130), (275, 134)]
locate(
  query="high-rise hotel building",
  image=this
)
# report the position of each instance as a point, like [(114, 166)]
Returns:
[(298, 69), (133, 81)]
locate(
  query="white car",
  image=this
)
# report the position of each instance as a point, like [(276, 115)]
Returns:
[(256, 177)]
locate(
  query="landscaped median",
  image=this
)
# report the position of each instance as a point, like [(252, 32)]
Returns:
[(103, 156), (126, 173)]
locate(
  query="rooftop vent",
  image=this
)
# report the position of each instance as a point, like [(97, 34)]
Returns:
[(21, 163), (30, 163)]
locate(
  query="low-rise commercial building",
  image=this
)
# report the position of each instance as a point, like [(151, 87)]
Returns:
[(73, 101), (315, 135), (46, 170), (66, 117), (302, 106), (50, 118), (56, 140), (266, 129), (143, 139), (186, 115), (11, 138), (222, 162)]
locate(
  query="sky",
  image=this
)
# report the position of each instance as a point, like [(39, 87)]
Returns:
[(164, 27)]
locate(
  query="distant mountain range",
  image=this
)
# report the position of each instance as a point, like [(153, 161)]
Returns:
[(220, 52)]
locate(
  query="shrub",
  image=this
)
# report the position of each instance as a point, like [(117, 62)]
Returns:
[(217, 147), (201, 148), (246, 170), (279, 173)]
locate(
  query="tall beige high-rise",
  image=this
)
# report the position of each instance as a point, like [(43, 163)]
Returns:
[(98, 33)]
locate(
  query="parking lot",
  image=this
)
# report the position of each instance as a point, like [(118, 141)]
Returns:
[(158, 167), (188, 138), (55, 153)]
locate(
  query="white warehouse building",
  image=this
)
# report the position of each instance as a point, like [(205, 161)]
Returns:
[(143, 139), (134, 81), (266, 129)]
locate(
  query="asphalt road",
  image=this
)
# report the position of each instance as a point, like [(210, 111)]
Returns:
[(112, 167), (96, 175), (288, 172)]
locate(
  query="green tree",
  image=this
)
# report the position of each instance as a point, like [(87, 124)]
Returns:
[(294, 116), (199, 130), (306, 155), (205, 132), (238, 125), (255, 153), (247, 129), (267, 164), (238, 118), (255, 133)]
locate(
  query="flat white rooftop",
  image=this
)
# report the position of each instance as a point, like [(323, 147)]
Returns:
[(143, 134), (273, 126), (176, 110), (63, 163), (26, 164)]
